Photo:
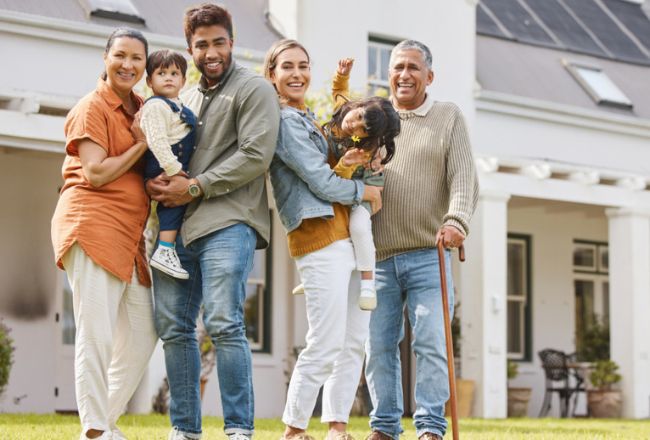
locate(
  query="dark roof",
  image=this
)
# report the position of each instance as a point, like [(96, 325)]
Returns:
[(614, 29), (163, 17), (538, 72)]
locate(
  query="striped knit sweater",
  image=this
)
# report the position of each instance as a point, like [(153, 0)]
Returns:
[(430, 182)]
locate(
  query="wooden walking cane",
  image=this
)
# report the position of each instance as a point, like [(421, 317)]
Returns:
[(448, 339)]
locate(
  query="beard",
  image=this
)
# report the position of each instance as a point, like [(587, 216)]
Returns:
[(215, 78)]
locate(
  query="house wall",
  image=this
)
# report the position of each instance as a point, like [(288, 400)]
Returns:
[(28, 190), (552, 227), (336, 29), (517, 132)]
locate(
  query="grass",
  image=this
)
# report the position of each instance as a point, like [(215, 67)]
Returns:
[(156, 427)]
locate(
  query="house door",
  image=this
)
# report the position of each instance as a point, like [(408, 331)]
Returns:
[(64, 363)]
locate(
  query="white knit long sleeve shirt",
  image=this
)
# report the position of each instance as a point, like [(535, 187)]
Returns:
[(431, 181), (163, 128)]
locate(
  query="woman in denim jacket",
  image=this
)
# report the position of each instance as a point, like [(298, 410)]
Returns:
[(311, 202)]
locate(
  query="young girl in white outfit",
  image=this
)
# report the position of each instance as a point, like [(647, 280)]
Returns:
[(360, 129)]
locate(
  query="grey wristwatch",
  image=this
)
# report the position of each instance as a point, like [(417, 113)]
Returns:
[(194, 190)]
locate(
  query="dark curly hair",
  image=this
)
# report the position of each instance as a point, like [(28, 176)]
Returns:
[(381, 120)]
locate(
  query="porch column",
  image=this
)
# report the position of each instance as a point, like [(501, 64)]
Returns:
[(629, 305), (482, 293)]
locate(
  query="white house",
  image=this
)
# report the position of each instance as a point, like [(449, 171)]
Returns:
[(555, 94)]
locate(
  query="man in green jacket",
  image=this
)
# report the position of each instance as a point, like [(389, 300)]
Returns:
[(226, 220)]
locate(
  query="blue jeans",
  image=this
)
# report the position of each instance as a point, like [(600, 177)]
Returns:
[(218, 265), (412, 280)]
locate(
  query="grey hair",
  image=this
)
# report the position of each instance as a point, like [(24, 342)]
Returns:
[(414, 45)]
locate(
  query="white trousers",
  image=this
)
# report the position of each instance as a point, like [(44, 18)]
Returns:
[(114, 339), (361, 236), (335, 340)]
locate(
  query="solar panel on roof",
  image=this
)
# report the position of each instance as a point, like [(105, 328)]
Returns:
[(518, 21), (606, 30), (562, 24), (633, 17), (485, 25)]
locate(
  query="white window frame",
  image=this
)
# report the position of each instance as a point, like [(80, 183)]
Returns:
[(375, 80), (616, 98), (521, 300)]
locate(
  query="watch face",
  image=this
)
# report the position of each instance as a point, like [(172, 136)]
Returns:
[(193, 190)]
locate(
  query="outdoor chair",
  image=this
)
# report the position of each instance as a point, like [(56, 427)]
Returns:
[(558, 380)]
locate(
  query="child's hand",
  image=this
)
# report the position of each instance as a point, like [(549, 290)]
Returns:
[(375, 164), (354, 156), (136, 130), (345, 66)]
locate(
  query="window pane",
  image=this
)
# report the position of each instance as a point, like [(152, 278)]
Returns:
[(604, 258), (584, 299), (516, 269), (602, 86), (372, 62), (254, 305), (606, 303), (584, 257), (515, 324), (385, 59)]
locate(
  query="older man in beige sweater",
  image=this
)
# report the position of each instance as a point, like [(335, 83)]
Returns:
[(430, 194)]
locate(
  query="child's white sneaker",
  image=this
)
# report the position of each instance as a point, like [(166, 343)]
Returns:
[(298, 290), (166, 260), (367, 298)]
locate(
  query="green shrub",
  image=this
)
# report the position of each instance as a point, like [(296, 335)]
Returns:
[(595, 342), (513, 369), (6, 356), (604, 375)]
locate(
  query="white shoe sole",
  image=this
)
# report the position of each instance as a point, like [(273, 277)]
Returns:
[(368, 303), (168, 271)]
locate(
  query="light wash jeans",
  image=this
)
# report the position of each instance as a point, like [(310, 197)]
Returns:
[(411, 279), (218, 265), (114, 339), (337, 332)]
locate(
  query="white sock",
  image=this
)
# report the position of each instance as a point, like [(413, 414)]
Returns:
[(367, 284)]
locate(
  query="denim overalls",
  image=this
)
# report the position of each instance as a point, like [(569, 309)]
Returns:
[(171, 218)]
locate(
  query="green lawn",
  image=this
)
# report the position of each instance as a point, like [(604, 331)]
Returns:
[(154, 427)]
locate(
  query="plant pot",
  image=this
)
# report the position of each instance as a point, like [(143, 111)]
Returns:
[(464, 398), (518, 399), (605, 403)]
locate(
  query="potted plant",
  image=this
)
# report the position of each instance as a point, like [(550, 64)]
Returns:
[(518, 397), (6, 356), (602, 399)]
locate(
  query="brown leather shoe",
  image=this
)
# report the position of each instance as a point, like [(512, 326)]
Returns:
[(429, 436), (378, 435)]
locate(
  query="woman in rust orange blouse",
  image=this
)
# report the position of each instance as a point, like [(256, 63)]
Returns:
[(97, 237)]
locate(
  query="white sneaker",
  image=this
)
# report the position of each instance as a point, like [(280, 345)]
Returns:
[(165, 259), (298, 290), (175, 434), (367, 299), (239, 436)]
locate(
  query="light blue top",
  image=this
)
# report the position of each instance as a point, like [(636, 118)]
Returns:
[(304, 185)]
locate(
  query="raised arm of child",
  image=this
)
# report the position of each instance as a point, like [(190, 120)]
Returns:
[(340, 83)]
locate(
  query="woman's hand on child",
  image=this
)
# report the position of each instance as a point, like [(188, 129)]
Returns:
[(372, 194), (345, 66), (354, 156)]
